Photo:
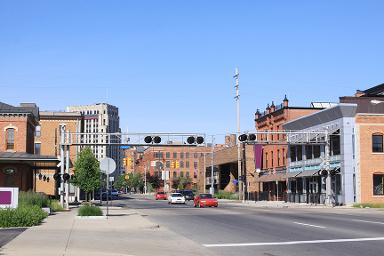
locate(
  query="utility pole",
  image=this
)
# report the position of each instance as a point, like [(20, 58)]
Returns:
[(62, 165), (145, 180), (212, 189), (237, 99)]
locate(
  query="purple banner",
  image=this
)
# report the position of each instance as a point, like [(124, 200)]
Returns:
[(5, 197), (258, 151)]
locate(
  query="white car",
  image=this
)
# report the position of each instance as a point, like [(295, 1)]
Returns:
[(176, 198)]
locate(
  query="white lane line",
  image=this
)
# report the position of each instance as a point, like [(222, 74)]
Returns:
[(297, 242), (309, 225), (369, 221)]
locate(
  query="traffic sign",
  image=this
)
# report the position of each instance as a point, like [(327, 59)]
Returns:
[(107, 165)]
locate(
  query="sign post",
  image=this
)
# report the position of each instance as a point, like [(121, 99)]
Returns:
[(107, 166)]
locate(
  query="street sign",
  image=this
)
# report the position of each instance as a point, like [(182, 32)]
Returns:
[(125, 147), (107, 165)]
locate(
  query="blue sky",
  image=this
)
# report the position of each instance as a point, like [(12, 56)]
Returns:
[(168, 65)]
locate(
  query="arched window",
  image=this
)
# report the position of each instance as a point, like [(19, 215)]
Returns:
[(174, 174), (377, 143), (10, 137), (181, 174)]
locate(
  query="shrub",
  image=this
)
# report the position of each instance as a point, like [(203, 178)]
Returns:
[(90, 210), (23, 216), (31, 198), (369, 205), (227, 195), (55, 206)]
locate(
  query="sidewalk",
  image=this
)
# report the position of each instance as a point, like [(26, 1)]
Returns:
[(124, 233)]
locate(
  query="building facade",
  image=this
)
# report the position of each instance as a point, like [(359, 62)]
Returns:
[(18, 163), (47, 139), (101, 118), (272, 175)]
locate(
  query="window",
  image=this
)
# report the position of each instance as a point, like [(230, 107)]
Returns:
[(187, 174), (187, 164), (272, 159), (181, 164), (377, 143), (283, 156), (174, 174), (168, 164), (168, 155), (278, 157), (266, 160), (378, 184), (10, 138), (292, 150), (195, 165), (38, 131), (187, 155), (316, 151), (174, 155), (181, 155), (37, 148), (299, 153), (335, 143), (181, 174), (308, 152), (195, 155)]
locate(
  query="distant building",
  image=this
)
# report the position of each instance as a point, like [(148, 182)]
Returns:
[(101, 118), (18, 163)]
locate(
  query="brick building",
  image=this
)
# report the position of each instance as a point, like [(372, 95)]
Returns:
[(273, 172), (47, 139), (18, 163), (178, 160)]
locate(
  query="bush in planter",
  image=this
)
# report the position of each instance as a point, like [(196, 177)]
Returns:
[(90, 210), (23, 216), (55, 206), (31, 198), (226, 195)]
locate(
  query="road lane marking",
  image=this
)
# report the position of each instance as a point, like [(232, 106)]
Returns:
[(309, 225), (297, 242), (369, 221)]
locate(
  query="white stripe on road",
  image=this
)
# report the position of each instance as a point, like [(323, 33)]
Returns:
[(297, 242), (369, 221), (309, 225)]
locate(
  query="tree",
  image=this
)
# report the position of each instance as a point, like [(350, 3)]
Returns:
[(181, 182), (121, 182), (87, 172), (154, 180), (135, 181)]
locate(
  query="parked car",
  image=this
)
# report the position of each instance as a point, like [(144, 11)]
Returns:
[(176, 198), (188, 194), (161, 196), (204, 200)]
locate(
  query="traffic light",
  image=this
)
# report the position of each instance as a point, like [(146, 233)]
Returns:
[(193, 140), (243, 137), (66, 176), (57, 177), (173, 164), (150, 139), (177, 164)]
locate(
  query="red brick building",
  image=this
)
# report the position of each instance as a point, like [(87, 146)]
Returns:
[(18, 163), (273, 174)]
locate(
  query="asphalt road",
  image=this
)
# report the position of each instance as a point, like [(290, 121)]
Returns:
[(241, 230), (7, 235)]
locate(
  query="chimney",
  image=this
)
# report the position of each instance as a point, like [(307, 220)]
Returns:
[(273, 108), (268, 109), (257, 114)]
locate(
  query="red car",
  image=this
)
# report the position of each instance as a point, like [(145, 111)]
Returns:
[(161, 196), (204, 200)]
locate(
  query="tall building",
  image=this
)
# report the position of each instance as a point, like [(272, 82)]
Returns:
[(100, 118)]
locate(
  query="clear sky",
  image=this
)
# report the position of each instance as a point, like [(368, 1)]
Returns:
[(168, 65)]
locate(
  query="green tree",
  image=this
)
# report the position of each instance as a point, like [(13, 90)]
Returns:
[(181, 182), (87, 172), (121, 182), (135, 181)]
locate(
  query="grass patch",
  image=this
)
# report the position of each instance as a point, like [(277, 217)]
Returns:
[(90, 210), (369, 205), (226, 195), (23, 216)]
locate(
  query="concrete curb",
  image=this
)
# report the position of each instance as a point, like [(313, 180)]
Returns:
[(91, 217)]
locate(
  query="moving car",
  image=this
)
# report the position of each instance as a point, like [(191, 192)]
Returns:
[(204, 200), (161, 196), (188, 194), (176, 198)]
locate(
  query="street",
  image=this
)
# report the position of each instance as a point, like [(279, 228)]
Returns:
[(7, 235), (240, 230)]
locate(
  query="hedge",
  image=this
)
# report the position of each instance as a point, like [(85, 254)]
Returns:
[(90, 210), (23, 216)]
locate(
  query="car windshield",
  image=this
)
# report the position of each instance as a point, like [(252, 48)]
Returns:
[(205, 196), (176, 195), (160, 193), (189, 193)]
